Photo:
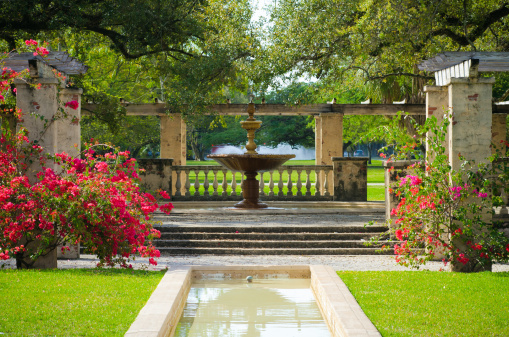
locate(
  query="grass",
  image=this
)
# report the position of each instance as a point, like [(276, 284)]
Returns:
[(375, 175), (75, 302), (433, 303)]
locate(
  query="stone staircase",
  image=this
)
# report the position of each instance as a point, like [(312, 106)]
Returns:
[(265, 240)]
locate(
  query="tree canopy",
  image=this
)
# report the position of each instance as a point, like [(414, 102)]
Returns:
[(379, 40)]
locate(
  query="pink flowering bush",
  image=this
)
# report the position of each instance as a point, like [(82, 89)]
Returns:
[(93, 199), (446, 214)]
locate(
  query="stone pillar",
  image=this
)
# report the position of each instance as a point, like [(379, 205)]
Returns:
[(173, 139), (37, 103), (350, 179), (437, 104), (393, 171), (318, 140), (68, 140), (499, 133), (470, 128), (470, 132), (330, 134), (173, 142)]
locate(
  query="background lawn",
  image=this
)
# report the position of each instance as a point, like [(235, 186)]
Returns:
[(375, 175), (73, 302), (420, 303)]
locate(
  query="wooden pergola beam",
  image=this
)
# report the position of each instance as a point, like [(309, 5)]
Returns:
[(160, 109)]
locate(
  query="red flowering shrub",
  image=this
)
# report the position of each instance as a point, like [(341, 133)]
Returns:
[(95, 201)]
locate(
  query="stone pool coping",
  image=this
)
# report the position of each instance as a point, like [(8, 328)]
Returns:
[(344, 316)]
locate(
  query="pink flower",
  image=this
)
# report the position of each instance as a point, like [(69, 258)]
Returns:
[(164, 194), (462, 259), (72, 104), (31, 42), (152, 261), (399, 234)]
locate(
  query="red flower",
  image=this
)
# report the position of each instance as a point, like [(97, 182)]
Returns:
[(72, 104)]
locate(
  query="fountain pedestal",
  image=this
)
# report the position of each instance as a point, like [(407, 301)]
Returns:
[(251, 163)]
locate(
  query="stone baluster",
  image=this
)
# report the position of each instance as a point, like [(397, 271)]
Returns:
[(234, 183), (187, 185), (215, 183), (299, 183), (308, 182), (318, 188), (280, 183), (178, 183), (262, 184), (271, 184), (206, 182), (224, 185), (289, 183), (196, 183), (326, 183)]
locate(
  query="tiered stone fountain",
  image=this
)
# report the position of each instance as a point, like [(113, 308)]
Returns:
[(251, 163)]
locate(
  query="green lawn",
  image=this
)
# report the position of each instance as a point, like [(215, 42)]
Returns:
[(375, 175), (418, 303), (72, 302)]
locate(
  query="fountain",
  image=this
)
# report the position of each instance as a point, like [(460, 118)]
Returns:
[(250, 163)]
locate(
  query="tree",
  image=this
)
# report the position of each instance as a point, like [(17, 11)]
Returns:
[(378, 41)]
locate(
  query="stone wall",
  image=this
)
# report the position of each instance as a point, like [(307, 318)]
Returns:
[(157, 175), (350, 179)]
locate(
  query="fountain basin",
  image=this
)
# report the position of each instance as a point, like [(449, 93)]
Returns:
[(339, 308), (251, 162)]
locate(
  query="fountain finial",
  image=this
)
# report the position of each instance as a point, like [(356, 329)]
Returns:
[(250, 125)]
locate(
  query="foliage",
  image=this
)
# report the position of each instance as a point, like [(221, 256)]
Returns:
[(420, 303), (377, 41), (446, 211), (78, 302)]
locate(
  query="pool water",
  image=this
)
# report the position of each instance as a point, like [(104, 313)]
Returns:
[(264, 308)]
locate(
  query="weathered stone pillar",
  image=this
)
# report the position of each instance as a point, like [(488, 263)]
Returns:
[(499, 133), (331, 140), (318, 140), (173, 142), (350, 179), (470, 132), (173, 139), (37, 103), (437, 104)]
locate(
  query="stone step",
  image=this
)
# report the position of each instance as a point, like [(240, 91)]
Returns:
[(265, 244), (271, 251), (269, 236), (273, 229)]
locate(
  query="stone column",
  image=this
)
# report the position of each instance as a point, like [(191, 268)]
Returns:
[(499, 133), (173, 141), (470, 128), (68, 140), (470, 132), (318, 140), (37, 103), (331, 136), (437, 104), (350, 179)]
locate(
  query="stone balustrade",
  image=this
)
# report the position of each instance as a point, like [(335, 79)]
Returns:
[(345, 180), (292, 182)]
